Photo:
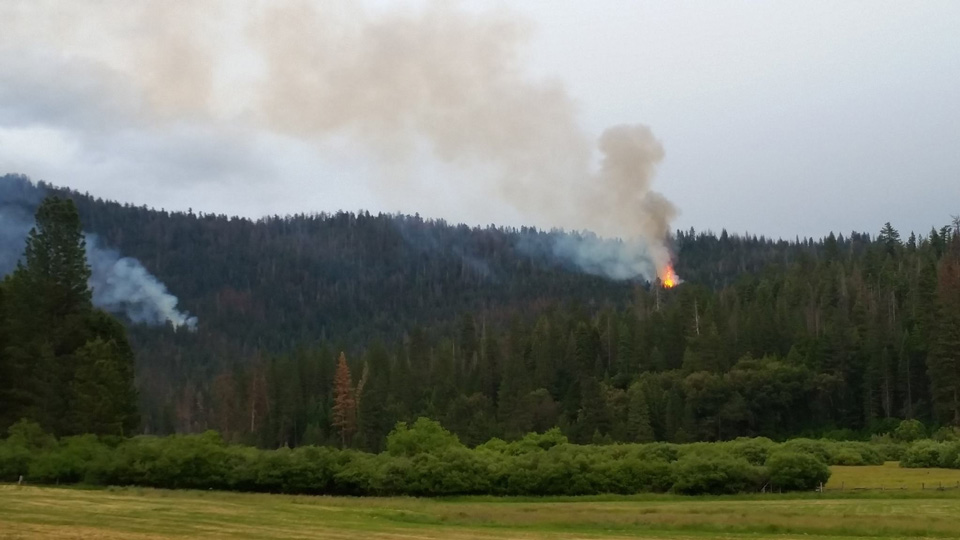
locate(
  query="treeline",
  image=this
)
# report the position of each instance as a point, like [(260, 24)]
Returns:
[(840, 336), (346, 280), (845, 341), (423, 459)]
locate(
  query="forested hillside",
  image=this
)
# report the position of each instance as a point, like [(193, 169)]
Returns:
[(483, 330)]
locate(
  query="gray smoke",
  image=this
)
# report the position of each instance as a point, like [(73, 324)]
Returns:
[(120, 284), (435, 78)]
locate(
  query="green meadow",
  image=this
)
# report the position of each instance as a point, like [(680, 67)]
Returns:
[(28, 512)]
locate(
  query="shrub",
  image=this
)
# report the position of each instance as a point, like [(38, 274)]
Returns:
[(796, 471), (307, 469), (30, 435), (755, 450), (909, 431), (423, 459), (26, 441), (69, 461), (15, 460), (945, 434), (949, 455), (847, 456), (922, 454), (887, 447), (659, 451), (424, 436), (696, 475), (358, 473), (817, 449), (853, 453), (534, 442), (631, 475)]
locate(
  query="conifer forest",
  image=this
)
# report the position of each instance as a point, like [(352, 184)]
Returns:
[(328, 329)]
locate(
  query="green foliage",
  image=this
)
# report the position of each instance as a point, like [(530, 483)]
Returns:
[(922, 454), (69, 462), (946, 433), (64, 364), (720, 474), (950, 455), (424, 436), (859, 453), (29, 435), (796, 471), (755, 451), (817, 449), (910, 430), (426, 460), (490, 333)]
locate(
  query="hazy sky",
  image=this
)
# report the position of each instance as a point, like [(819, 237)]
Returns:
[(777, 118)]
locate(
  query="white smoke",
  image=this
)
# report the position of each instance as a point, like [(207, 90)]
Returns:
[(122, 285), (429, 77)]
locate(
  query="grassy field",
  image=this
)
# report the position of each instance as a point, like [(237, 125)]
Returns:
[(46, 512), (891, 476)]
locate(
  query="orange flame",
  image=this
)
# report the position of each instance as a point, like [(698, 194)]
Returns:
[(669, 278)]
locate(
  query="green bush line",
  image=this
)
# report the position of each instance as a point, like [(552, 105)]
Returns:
[(424, 459), (928, 453)]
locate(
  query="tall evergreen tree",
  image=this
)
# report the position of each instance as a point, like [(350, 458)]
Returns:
[(48, 303), (890, 238), (638, 416), (373, 422), (344, 402), (944, 361)]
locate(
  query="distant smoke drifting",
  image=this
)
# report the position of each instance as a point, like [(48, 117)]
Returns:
[(435, 79), (123, 285), (120, 284)]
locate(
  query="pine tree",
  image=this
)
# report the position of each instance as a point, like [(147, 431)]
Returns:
[(593, 416), (48, 307), (890, 238), (54, 266), (344, 402), (6, 375), (118, 368), (943, 364), (374, 422), (100, 390), (638, 416)]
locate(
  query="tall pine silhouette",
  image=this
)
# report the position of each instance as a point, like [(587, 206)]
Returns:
[(67, 365), (944, 362)]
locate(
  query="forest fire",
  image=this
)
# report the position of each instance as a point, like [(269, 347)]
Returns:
[(668, 278)]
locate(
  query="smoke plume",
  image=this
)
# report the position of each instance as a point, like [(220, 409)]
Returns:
[(435, 80), (122, 285), (119, 284)]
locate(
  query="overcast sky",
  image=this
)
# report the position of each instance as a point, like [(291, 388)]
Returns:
[(777, 118)]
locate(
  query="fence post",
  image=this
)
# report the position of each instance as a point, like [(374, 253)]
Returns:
[(20, 480)]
